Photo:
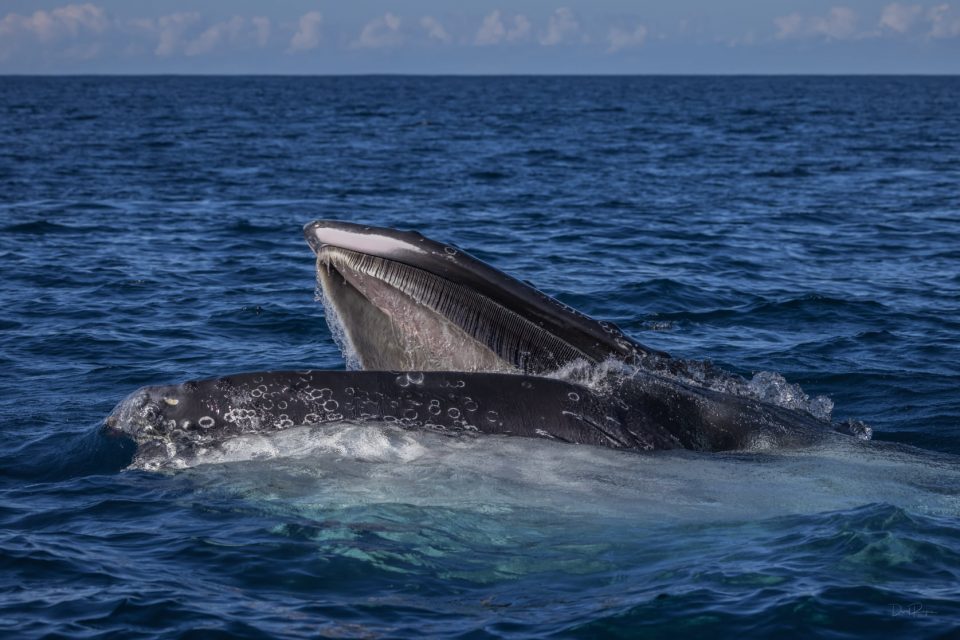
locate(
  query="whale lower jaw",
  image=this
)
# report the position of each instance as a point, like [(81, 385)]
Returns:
[(391, 315)]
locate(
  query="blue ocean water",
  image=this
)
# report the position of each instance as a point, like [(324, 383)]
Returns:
[(150, 233)]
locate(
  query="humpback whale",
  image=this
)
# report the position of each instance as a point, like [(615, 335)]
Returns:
[(442, 341)]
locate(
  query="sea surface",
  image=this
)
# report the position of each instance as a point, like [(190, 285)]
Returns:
[(150, 232)]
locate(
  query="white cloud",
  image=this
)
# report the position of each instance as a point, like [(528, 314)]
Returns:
[(493, 30), (205, 42), (945, 23), (840, 23), (181, 34), (435, 30), (789, 26), (380, 32), (899, 17), (307, 35), (69, 21), (168, 30), (82, 29), (561, 27), (620, 38), (520, 29), (230, 31), (85, 31), (235, 32)]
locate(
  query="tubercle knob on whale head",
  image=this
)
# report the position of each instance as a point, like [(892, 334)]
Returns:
[(146, 410)]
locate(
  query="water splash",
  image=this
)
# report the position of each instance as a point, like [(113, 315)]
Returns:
[(773, 388), (335, 323), (342, 440), (365, 464), (765, 386)]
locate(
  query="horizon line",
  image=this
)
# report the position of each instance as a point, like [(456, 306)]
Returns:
[(478, 75)]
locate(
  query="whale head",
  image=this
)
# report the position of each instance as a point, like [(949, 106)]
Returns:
[(154, 412), (169, 420), (398, 300)]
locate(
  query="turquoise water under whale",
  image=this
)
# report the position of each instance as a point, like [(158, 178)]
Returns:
[(150, 233)]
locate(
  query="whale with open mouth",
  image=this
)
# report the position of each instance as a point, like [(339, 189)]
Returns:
[(447, 343), (408, 302)]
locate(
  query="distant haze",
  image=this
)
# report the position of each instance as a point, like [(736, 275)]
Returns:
[(436, 36)]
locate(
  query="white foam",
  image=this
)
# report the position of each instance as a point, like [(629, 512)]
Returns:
[(353, 441), (373, 464), (765, 386)]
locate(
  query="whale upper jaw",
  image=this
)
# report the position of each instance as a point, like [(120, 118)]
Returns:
[(402, 301)]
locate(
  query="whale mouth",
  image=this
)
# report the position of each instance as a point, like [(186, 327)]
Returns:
[(397, 300), (394, 316)]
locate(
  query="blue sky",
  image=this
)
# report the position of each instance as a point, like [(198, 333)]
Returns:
[(525, 36)]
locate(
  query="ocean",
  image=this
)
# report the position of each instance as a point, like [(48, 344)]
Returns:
[(150, 232)]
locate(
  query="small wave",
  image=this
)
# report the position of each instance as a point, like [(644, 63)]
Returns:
[(551, 155), (667, 295), (59, 456), (792, 172), (489, 176), (245, 226), (604, 110), (809, 307), (765, 386), (42, 227)]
